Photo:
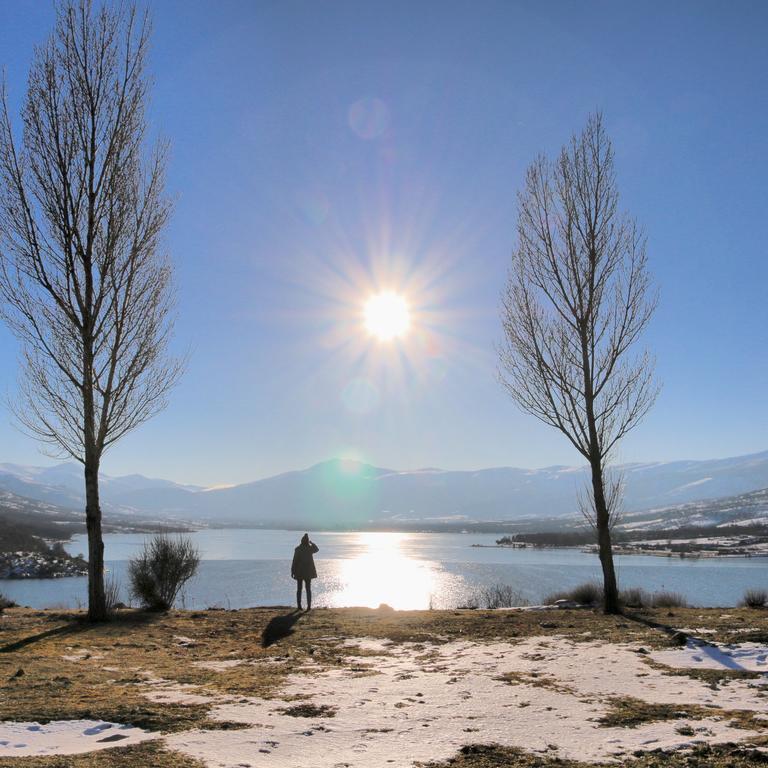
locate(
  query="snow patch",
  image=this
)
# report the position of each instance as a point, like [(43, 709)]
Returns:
[(66, 737), (744, 657)]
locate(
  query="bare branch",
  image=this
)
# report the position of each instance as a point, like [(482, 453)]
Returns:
[(84, 285)]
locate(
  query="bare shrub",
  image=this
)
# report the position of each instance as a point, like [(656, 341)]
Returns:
[(635, 597), (161, 570), (112, 593), (666, 599), (589, 593), (471, 603), (501, 596), (6, 602), (755, 598)]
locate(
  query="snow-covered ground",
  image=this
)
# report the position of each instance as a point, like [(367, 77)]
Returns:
[(66, 737), (746, 657), (401, 703)]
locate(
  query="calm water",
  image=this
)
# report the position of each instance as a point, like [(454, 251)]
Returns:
[(405, 570)]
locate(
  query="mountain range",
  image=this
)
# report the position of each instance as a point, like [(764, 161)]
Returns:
[(343, 493)]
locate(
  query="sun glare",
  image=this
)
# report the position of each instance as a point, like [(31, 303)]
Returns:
[(387, 316), (407, 584)]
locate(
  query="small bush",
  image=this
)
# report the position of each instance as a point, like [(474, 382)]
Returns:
[(668, 600), (112, 593), (471, 603), (494, 596), (635, 597), (6, 602), (501, 596), (161, 570), (755, 598), (589, 593)]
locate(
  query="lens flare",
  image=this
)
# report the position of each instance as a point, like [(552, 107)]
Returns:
[(387, 316)]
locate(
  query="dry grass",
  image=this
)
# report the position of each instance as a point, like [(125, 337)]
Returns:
[(535, 679), (628, 712), (138, 756), (491, 756)]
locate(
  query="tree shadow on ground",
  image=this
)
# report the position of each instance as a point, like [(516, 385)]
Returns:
[(675, 636), (279, 627), (79, 624), (66, 629)]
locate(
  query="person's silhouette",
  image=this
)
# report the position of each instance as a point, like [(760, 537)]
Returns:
[(303, 569)]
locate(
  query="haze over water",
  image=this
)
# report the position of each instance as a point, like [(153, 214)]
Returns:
[(243, 568)]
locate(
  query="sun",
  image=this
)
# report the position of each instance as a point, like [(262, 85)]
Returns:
[(387, 316)]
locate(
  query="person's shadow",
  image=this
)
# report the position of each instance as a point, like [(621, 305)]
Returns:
[(279, 627)]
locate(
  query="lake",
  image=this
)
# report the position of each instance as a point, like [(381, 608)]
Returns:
[(243, 568)]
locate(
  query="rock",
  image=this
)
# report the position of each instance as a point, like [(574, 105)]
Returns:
[(644, 651), (18, 673), (679, 638), (566, 604)]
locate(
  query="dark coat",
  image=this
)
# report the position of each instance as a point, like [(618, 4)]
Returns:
[(303, 565)]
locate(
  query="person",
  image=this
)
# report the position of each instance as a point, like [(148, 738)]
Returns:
[(303, 569)]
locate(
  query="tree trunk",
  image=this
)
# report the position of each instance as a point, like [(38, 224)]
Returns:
[(97, 601), (602, 522)]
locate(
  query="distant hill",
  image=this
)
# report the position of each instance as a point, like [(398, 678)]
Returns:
[(24, 516), (746, 509), (62, 485), (342, 493)]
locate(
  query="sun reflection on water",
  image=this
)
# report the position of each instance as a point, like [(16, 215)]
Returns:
[(382, 572)]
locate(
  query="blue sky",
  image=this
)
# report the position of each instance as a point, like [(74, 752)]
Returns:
[(322, 150)]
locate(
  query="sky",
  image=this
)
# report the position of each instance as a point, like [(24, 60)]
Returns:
[(325, 151)]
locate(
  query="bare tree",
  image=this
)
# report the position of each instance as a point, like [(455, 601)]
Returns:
[(578, 297), (82, 208)]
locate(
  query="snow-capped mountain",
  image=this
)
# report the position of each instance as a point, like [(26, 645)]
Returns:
[(343, 493), (62, 485)]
